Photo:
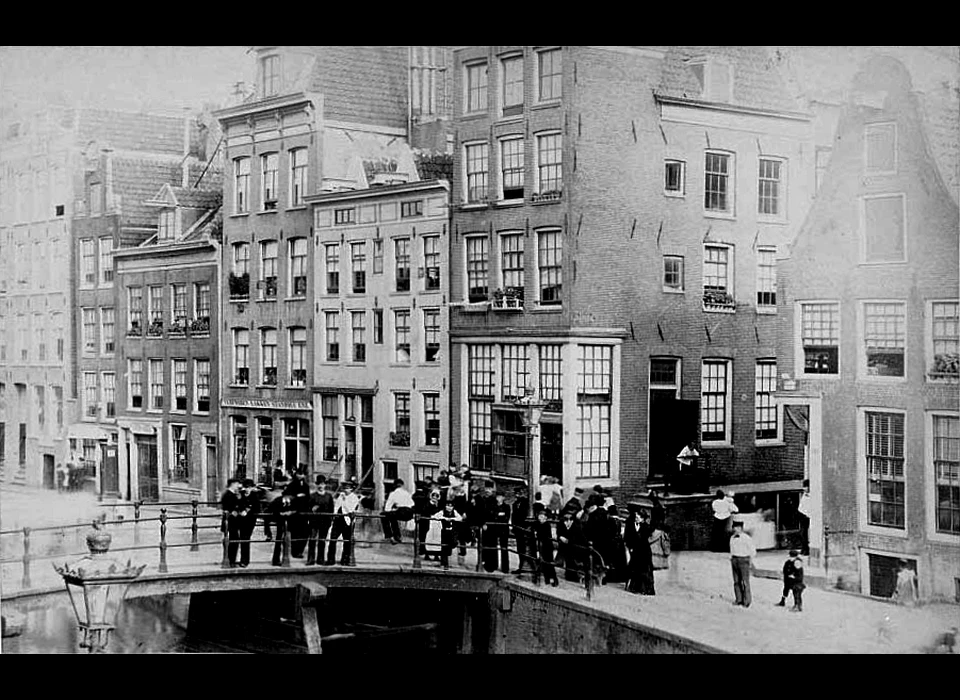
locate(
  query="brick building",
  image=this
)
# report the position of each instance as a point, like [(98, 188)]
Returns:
[(871, 343), (168, 314), (380, 371), (617, 217), (322, 119)]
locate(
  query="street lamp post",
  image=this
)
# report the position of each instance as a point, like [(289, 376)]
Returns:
[(97, 584), (532, 410)]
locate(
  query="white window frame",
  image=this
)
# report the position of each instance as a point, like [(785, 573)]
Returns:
[(501, 278), (263, 356), (537, 298), (89, 346), (727, 440), (512, 138), (424, 425), (929, 349), (651, 384), (265, 246), (299, 176), (867, 128), (144, 398), (104, 386), (103, 334), (151, 376), (329, 314), (269, 181), (862, 495), (185, 437), (775, 405), (196, 385), (467, 173), (930, 479), (236, 356), (297, 346), (683, 264), (730, 212), (863, 228), (799, 368), (87, 387), (539, 87), (104, 258), (766, 308), (538, 184), (781, 215), (273, 88), (501, 91), (167, 225), (861, 341), (466, 266), (682, 192), (297, 263), (241, 196), (85, 283), (467, 85), (397, 358), (174, 385)]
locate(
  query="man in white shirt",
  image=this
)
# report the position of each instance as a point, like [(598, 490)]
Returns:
[(723, 509), (399, 507), (742, 551), (345, 506), (804, 508), (685, 468)]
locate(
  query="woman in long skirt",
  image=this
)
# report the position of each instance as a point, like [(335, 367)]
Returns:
[(906, 591), (637, 538)]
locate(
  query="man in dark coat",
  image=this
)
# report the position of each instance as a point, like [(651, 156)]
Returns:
[(501, 520), (230, 505), (544, 534), (596, 529), (637, 538), (485, 515), (299, 492), (281, 512), (518, 517), (321, 514), (249, 510), (572, 545)]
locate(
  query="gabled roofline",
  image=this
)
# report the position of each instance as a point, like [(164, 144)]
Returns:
[(275, 102), (724, 107), (377, 191)]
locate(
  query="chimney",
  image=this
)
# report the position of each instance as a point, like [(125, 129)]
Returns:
[(185, 179)]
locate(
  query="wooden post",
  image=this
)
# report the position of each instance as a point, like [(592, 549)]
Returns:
[(194, 528), (285, 561), (163, 540), (588, 575), (417, 564), (25, 583), (225, 561)]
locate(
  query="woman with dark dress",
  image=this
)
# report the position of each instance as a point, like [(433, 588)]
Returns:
[(544, 533), (637, 537), (618, 553)]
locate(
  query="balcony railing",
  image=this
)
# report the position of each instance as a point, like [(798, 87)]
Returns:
[(551, 196), (718, 301), (509, 299)]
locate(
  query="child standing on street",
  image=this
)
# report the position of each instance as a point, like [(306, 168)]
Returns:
[(793, 581)]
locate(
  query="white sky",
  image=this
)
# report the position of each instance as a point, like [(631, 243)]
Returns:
[(123, 77)]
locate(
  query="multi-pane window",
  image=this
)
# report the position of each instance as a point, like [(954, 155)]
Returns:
[(155, 309), (946, 465), (88, 263), (333, 335), (884, 231), (476, 268), (269, 162), (767, 277), (332, 251), (945, 337), (90, 406), (108, 385), (481, 371), (511, 261), (179, 294), (820, 337), (476, 87), (551, 374), (180, 467), (241, 356), (201, 298), (106, 261), (378, 257), (516, 371), (347, 215), (673, 273), (431, 262), (378, 326), (58, 400), (714, 398), (765, 407), (241, 259), (480, 418), (431, 419), (135, 375), (298, 357), (550, 266), (549, 163), (298, 176), (402, 335), (167, 229), (716, 186), (298, 267), (512, 85), (885, 473), (241, 185), (89, 331), (180, 384), (770, 187), (402, 257), (431, 335), (880, 142), (716, 270), (673, 177), (595, 375), (268, 356), (156, 384), (268, 269), (401, 411), (593, 440), (885, 338), (511, 168), (359, 322), (239, 424), (201, 378), (358, 257), (549, 75), (331, 426), (663, 373), (270, 75), (411, 208), (477, 164)]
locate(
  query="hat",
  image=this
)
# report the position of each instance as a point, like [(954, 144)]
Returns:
[(249, 483), (794, 553)]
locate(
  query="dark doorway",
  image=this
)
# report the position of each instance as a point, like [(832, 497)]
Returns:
[(366, 457), (673, 423), (350, 452), (109, 471), (147, 468), (551, 450), (883, 574), (49, 472), (213, 471)]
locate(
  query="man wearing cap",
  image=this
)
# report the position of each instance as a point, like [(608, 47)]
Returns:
[(321, 509), (249, 509), (742, 551), (230, 505), (345, 507)]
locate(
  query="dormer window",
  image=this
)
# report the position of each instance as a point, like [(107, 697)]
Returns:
[(715, 76), (168, 225), (270, 75)]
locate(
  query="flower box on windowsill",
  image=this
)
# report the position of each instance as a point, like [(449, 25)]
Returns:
[(156, 329), (135, 329), (552, 196), (178, 330), (400, 439), (946, 367), (200, 326), (510, 299), (719, 302)]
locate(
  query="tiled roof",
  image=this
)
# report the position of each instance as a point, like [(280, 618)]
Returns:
[(137, 131), (365, 84), (941, 117), (136, 181), (197, 198), (209, 225), (757, 81), (435, 166)]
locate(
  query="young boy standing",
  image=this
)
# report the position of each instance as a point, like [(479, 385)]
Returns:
[(793, 581)]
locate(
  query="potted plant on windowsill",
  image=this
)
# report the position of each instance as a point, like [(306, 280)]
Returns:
[(946, 365), (156, 328), (717, 298), (200, 325)]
